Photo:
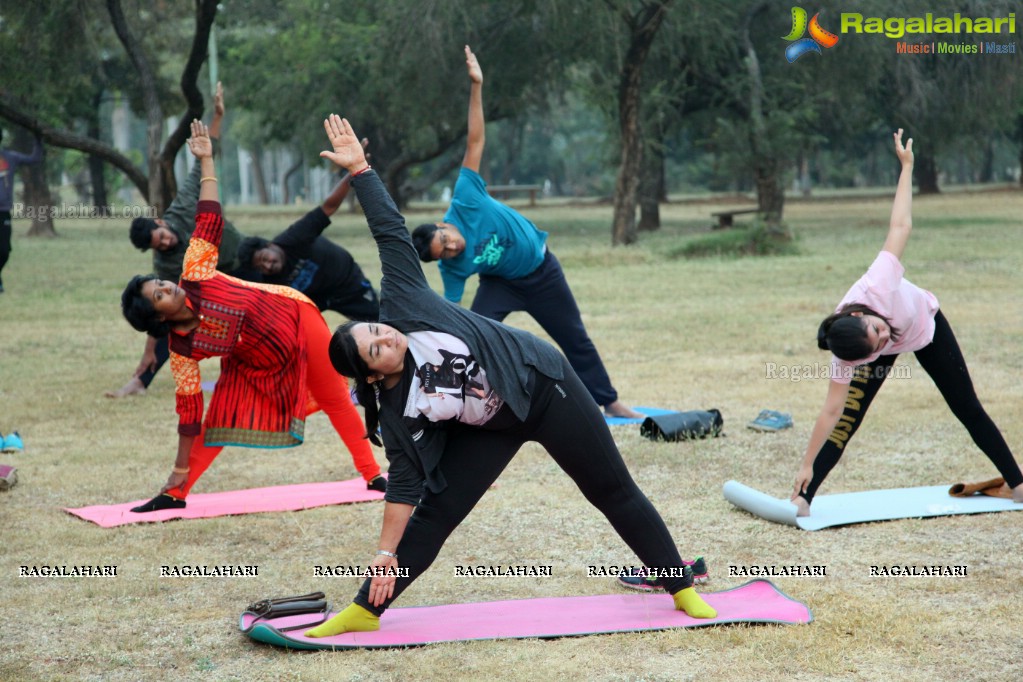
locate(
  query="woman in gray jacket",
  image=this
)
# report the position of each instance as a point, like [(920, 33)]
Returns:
[(456, 395)]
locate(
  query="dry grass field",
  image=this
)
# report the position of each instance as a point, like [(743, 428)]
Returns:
[(681, 334)]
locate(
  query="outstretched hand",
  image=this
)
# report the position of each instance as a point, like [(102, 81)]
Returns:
[(905, 153), (200, 144), (218, 100), (475, 72), (348, 150)]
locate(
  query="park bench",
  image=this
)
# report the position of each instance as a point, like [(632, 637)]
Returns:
[(504, 190), (725, 217)]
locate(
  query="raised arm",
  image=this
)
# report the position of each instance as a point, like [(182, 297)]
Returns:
[(203, 253), (218, 111), (822, 428), (202, 149), (476, 137), (35, 156), (338, 194), (901, 223), (399, 262)]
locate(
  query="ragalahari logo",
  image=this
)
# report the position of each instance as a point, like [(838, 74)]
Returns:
[(819, 37)]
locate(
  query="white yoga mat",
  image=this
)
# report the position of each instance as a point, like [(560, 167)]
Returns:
[(844, 509)]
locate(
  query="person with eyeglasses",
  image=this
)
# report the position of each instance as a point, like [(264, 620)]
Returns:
[(517, 269)]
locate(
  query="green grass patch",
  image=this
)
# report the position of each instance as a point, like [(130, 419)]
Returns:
[(756, 240)]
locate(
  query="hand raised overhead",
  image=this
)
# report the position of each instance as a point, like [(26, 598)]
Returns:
[(348, 150), (199, 143), (475, 72), (905, 153), (218, 100)]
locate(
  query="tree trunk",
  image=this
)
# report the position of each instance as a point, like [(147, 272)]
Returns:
[(767, 173), (205, 13), (285, 188), (99, 186), (642, 30), (987, 164), (258, 177), (770, 192), (822, 168), (37, 192), (651, 189), (97, 182), (1019, 138), (395, 177), (160, 162), (805, 185), (151, 102), (925, 172)]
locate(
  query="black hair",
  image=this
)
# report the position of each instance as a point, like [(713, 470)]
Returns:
[(247, 250), (344, 356), (845, 334), (422, 239), (141, 233), (139, 310)]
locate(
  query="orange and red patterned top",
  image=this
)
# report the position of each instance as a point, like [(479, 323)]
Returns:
[(260, 398)]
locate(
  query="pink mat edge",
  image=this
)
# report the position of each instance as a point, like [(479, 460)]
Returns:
[(123, 509), (326, 643)]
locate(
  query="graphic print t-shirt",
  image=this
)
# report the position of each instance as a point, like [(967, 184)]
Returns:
[(447, 382), (499, 240)]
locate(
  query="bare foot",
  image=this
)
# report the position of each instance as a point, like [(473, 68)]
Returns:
[(133, 387), (802, 506), (619, 409)]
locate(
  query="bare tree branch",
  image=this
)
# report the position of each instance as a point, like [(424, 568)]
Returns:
[(205, 13), (68, 140)]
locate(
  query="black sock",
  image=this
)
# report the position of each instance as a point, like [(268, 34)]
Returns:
[(161, 501)]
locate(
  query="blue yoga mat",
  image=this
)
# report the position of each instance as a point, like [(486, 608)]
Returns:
[(844, 509), (648, 411)]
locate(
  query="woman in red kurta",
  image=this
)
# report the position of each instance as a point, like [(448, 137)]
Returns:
[(273, 344)]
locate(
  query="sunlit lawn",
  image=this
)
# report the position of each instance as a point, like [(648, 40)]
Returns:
[(674, 334)]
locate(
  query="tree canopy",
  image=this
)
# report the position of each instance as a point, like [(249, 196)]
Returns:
[(626, 98)]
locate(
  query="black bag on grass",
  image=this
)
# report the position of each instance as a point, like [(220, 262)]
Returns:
[(682, 425)]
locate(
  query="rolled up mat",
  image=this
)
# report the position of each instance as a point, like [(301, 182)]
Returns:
[(871, 505), (994, 488), (760, 504), (758, 601), (682, 425)]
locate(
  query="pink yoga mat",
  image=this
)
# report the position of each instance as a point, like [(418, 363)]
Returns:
[(251, 501), (758, 601)]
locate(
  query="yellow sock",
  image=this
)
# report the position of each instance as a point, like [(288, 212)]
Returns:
[(353, 619), (689, 601)]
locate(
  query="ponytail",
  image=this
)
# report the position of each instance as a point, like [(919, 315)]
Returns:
[(344, 356)]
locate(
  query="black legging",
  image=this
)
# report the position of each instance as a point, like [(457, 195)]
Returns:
[(546, 296), (5, 241), (564, 419), (943, 361)]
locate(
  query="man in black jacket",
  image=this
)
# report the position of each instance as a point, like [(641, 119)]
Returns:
[(303, 259)]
